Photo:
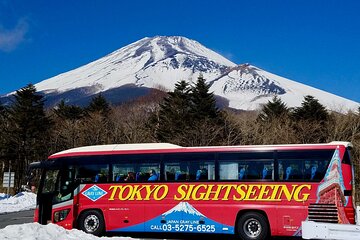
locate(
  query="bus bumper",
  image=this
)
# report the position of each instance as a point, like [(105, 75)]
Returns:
[(318, 230)]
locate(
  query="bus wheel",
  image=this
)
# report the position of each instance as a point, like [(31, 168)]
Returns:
[(92, 222), (252, 226)]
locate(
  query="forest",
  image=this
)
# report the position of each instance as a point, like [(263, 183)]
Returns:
[(187, 116)]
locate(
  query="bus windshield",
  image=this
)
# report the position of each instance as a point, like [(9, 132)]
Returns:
[(49, 181)]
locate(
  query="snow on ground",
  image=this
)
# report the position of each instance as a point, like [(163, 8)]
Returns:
[(20, 202), (35, 231)]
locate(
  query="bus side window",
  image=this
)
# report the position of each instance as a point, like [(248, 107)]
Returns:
[(259, 170), (97, 173), (312, 170), (148, 172), (252, 173), (246, 166), (102, 176), (291, 170), (123, 172), (202, 170), (176, 171), (267, 172), (229, 170), (171, 169), (307, 165)]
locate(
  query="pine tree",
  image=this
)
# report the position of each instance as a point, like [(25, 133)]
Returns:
[(311, 110), (70, 112), (311, 121), (28, 134), (274, 109), (100, 105), (189, 116), (207, 125), (203, 101), (174, 113)]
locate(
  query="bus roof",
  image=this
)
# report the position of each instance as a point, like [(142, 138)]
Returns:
[(172, 148)]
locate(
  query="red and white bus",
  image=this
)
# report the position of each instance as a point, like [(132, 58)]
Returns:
[(250, 191)]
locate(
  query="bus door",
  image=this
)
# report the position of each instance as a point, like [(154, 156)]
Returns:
[(63, 198), (55, 197), (45, 195), (45, 189)]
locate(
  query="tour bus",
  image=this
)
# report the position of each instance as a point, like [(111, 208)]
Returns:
[(251, 191)]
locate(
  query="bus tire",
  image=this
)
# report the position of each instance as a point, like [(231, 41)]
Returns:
[(92, 221), (252, 226)]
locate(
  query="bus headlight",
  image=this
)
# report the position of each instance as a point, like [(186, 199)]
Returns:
[(61, 215)]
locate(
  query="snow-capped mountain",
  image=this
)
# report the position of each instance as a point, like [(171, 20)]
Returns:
[(159, 62), (184, 207), (149, 62)]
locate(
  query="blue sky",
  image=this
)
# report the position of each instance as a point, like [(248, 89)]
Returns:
[(312, 42)]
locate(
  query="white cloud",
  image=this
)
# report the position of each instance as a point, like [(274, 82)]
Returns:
[(11, 38)]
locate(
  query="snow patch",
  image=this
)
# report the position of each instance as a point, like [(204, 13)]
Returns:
[(36, 231), (20, 202)]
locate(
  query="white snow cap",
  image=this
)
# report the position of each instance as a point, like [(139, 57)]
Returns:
[(149, 62)]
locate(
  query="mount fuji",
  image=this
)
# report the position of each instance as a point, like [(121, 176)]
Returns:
[(159, 62), (184, 207)]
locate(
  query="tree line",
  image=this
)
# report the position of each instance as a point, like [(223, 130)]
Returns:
[(187, 116)]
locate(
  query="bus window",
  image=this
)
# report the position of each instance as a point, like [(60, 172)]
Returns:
[(97, 173), (303, 165), (315, 169), (229, 170), (148, 172), (247, 170), (246, 166), (189, 166), (291, 170), (123, 172), (176, 171), (308, 165), (202, 171), (312, 170), (267, 170)]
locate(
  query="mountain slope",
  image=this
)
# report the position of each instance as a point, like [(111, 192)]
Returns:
[(159, 62), (247, 87)]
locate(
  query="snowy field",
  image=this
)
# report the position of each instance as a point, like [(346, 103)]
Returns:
[(35, 231), (20, 202)]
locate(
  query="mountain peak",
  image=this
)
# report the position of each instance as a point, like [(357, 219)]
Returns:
[(162, 47), (149, 62)]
